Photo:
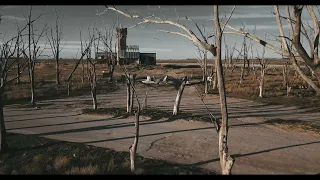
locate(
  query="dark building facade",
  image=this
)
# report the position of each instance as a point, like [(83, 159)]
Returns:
[(147, 59)]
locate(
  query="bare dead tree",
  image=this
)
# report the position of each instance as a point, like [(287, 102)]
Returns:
[(82, 60), (225, 159), (54, 38), (202, 60), (297, 44), (8, 49), (128, 95), (106, 39), (34, 51), (226, 53), (246, 61), (92, 76), (241, 75), (93, 81), (133, 93), (133, 147), (295, 28), (19, 53), (215, 78), (252, 64), (179, 96), (229, 53), (145, 105), (263, 66), (285, 73), (245, 55), (206, 73), (85, 48)]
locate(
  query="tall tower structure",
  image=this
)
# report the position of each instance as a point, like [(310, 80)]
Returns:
[(121, 43)]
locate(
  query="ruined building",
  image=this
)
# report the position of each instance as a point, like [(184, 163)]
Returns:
[(127, 54)]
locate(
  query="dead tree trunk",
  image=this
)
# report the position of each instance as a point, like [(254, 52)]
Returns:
[(111, 70), (68, 87), (54, 40), (132, 79), (87, 66), (178, 98), (215, 81), (18, 65), (226, 161), (297, 44), (285, 72), (93, 82), (3, 133), (82, 60), (214, 75), (82, 71), (263, 67), (254, 70), (128, 94), (18, 71), (226, 54), (57, 69), (31, 75), (241, 75), (205, 73), (133, 147), (261, 85), (145, 105)]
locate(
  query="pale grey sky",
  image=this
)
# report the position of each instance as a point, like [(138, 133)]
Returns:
[(170, 46)]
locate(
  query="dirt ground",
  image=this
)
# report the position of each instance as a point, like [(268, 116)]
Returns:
[(29, 154), (258, 148), (275, 92)]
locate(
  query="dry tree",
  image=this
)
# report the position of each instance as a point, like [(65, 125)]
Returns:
[(177, 101), (131, 94), (33, 50), (92, 75), (285, 74), (263, 62), (82, 60), (85, 48), (54, 38), (226, 161), (229, 53), (202, 61), (292, 45), (8, 49), (106, 37)]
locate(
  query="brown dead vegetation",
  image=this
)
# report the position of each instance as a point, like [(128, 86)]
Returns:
[(295, 125), (275, 92), (30, 154)]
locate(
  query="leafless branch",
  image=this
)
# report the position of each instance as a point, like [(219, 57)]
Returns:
[(212, 117), (203, 37), (234, 7), (162, 13), (190, 33), (256, 39)]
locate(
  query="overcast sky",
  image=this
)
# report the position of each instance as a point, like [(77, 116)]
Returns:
[(167, 46)]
